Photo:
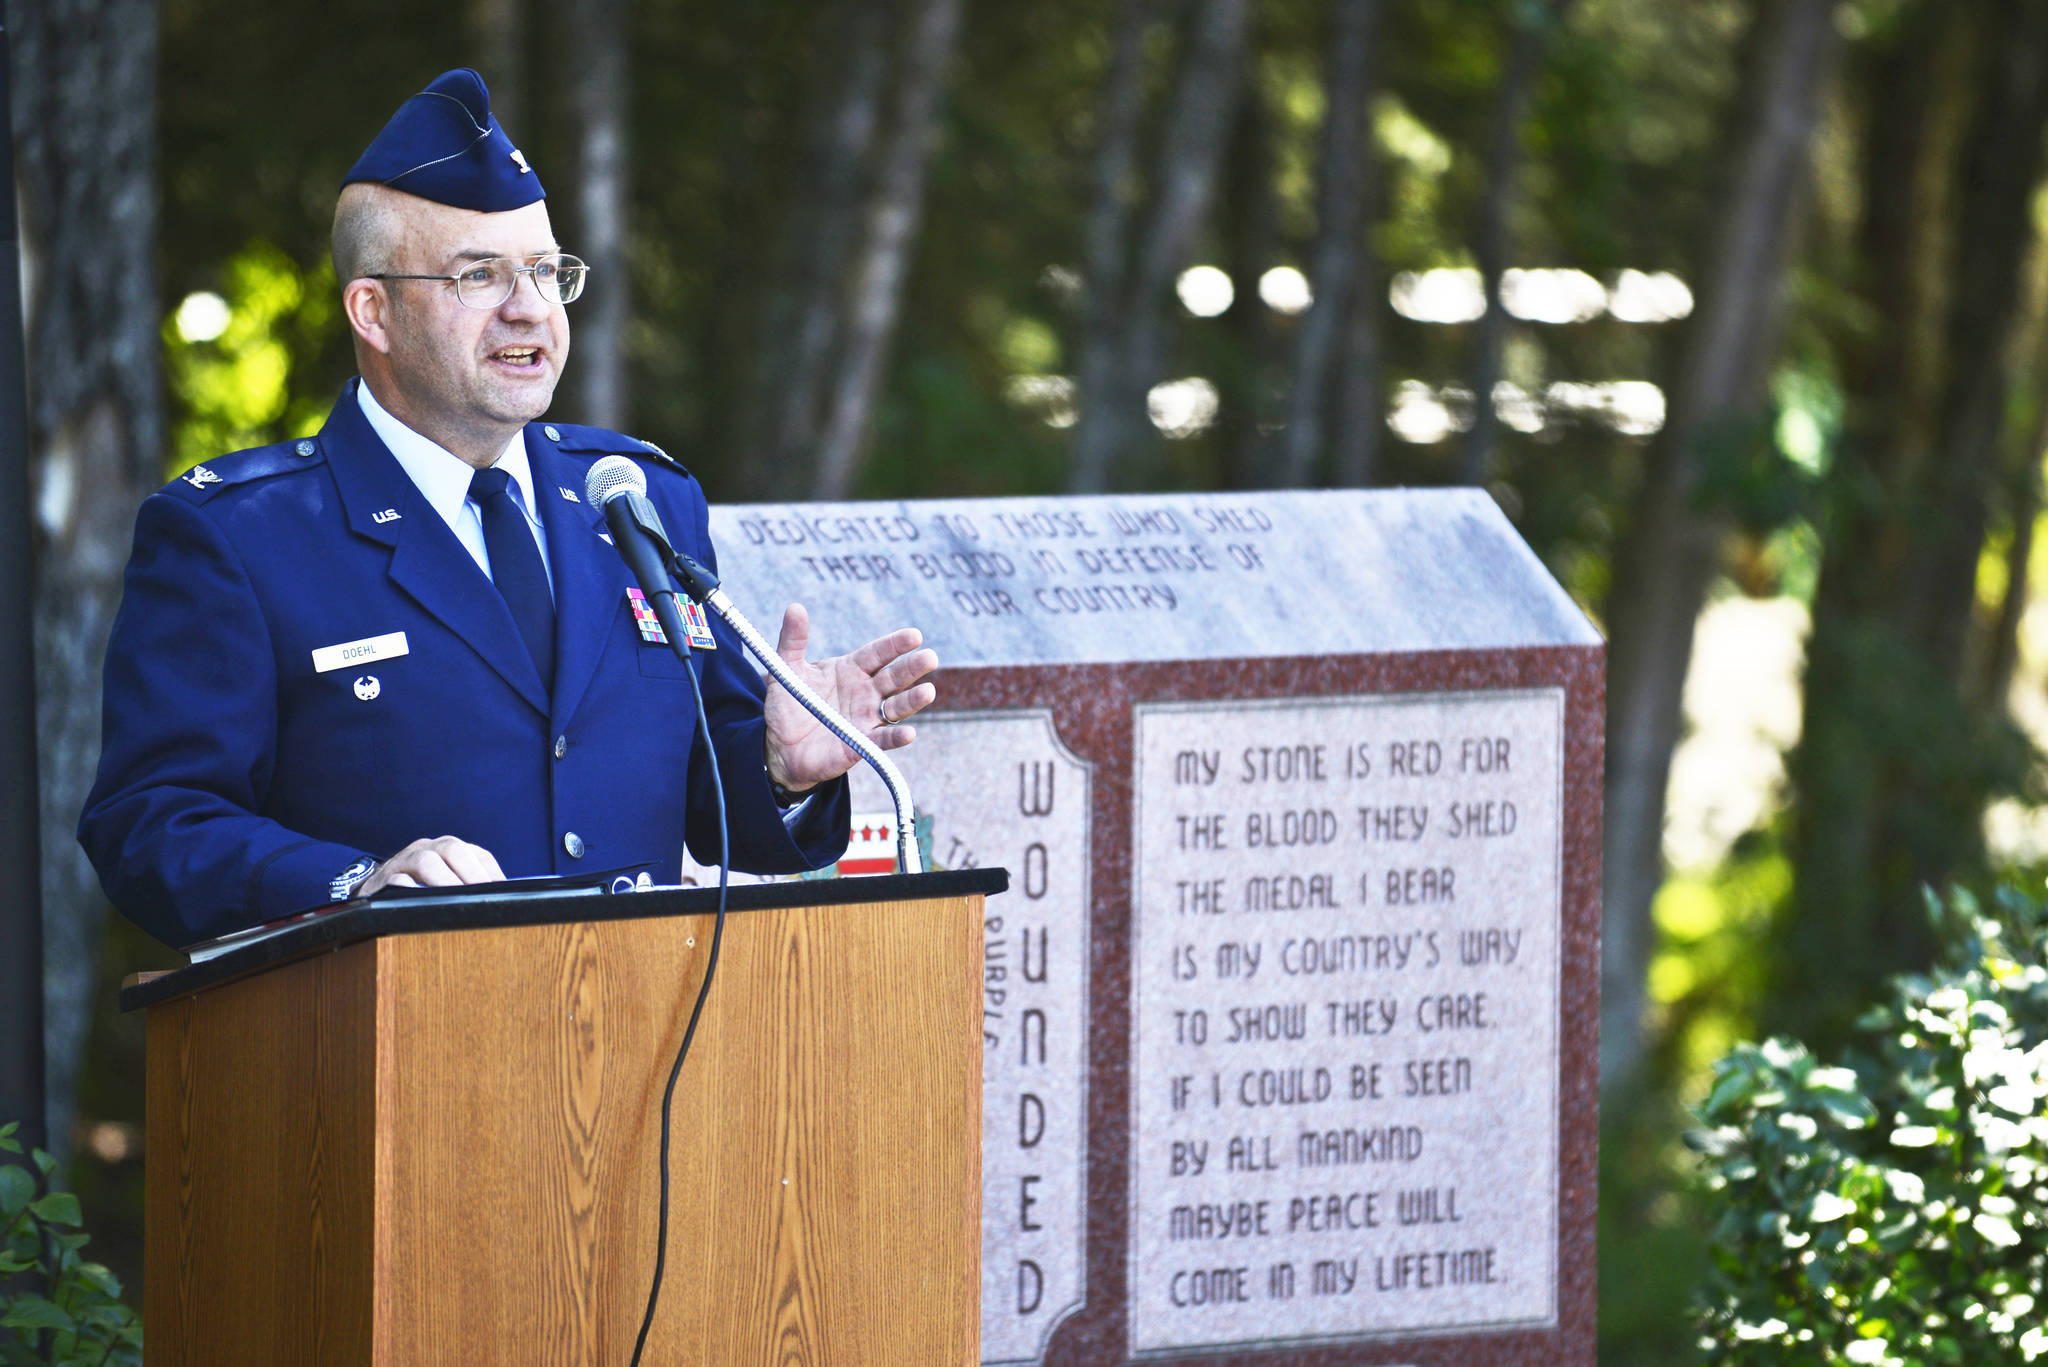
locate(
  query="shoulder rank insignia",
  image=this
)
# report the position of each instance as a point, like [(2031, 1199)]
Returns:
[(664, 457), (199, 477)]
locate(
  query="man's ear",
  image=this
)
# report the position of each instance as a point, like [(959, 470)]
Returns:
[(368, 307)]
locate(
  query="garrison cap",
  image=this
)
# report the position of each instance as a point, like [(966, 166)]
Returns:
[(443, 145)]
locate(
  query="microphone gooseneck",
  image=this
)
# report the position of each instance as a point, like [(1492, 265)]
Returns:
[(618, 486)]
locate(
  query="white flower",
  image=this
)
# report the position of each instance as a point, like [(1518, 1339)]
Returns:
[(1999, 1135), (1865, 1350), (1907, 1186), (1914, 1136), (1996, 1229), (1769, 1329), (2019, 1098), (1990, 1057), (1828, 1206)]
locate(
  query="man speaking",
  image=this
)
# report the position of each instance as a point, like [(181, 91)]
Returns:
[(404, 651)]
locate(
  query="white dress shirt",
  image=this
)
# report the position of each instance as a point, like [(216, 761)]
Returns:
[(443, 480)]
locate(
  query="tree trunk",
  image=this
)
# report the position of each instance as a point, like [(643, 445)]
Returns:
[(1528, 35), (1668, 557), (1894, 764), (1915, 96), (2002, 650), (1339, 240), (87, 175), (1361, 411), (806, 290), (1989, 679), (597, 57), (1197, 119), (1999, 175), (1250, 370), (497, 37), (890, 233), (1113, 191)]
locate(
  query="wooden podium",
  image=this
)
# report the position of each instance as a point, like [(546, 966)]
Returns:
[(426, 1132)]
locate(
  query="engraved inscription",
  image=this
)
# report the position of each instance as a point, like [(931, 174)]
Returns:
[(1344, 1018), (1150, 576)]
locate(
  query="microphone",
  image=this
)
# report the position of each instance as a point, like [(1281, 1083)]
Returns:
[(619, 486)]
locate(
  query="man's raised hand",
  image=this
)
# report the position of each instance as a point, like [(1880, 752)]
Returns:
[(877, 687)]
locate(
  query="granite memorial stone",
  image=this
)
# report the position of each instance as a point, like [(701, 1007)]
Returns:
[(1290, 1013)]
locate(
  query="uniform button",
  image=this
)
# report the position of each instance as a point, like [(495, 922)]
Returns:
[(561, 746), (305, 448), (554, 433), (573, 843)]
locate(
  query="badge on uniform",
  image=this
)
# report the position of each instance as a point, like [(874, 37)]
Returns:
[(644, 618), (697, 626)]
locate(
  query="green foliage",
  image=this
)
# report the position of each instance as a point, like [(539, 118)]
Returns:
[(1895, 1210), (56, 1309), (1707, 978), (1745, 471), (233, 379)]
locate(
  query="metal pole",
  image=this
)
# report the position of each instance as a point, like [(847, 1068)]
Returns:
[(21, 895)]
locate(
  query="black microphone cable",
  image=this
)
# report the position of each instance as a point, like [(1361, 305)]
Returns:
[(668, 1096)]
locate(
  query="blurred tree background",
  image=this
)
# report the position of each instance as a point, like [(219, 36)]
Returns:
[(1739, 308)]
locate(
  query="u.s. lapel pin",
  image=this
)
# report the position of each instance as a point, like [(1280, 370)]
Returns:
[(567, 493)]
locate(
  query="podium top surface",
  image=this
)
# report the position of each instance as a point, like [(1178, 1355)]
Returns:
[(357, 921)]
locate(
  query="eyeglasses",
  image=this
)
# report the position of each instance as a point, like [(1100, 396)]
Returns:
[(488, 283)]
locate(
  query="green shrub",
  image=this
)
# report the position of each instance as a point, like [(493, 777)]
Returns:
[(1894, 1210), (56, 1309)]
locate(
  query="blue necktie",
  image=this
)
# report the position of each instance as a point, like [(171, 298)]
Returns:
[(516, 567)]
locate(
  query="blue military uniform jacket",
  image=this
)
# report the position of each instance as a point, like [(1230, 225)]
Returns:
[(237, 778)]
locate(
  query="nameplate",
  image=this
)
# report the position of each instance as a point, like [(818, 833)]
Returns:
[(350, 653)]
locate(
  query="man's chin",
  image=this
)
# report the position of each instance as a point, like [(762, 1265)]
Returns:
[(522, 400)]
